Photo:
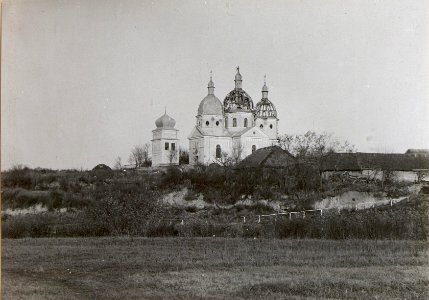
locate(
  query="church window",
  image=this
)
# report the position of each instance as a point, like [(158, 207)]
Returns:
[(245, 122), (261, 126), (207, 123), (234, 122), (253, 148), (166, 146), (217, 123), (173, 146), (271, 126), (218, 151)]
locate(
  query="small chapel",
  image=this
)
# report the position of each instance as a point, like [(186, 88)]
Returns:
[(165, 143), (235, 128)]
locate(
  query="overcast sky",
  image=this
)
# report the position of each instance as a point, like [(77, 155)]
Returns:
[(84, 81)]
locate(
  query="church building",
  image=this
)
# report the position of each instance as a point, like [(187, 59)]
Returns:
[(165, 144), (234, 128)]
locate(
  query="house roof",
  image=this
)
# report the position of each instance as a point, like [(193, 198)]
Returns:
[(102, 167), (418, 151), (360, 161), (268, 157)]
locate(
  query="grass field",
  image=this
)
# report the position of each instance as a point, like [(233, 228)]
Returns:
[(213, 268)]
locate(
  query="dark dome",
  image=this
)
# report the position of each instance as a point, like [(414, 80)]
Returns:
[(237, 99), (265, 109), (102, 167)]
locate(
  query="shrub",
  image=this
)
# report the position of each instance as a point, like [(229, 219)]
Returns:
[(18, 176)]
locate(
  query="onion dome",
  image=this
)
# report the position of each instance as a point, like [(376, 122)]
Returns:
[(264, 108), (210, 105), (238, 99), (165, 122)]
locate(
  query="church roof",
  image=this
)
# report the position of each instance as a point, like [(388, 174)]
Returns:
[(238, 99), (200, 132), (265, 109), (210, 105), (165, 122)]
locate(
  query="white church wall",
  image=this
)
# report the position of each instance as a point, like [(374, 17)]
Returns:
[(196, 151), (210, 143), (161, 155), (240, 117), (212, 124), (248, 142), (269, 127)]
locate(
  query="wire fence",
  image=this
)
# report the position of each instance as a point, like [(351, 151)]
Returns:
[(260, 217)]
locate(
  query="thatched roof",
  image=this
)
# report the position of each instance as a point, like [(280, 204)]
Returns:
[(102, 167), (418, 151), (269, 157), (385, 161)]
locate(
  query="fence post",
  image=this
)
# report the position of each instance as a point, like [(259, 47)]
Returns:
[(391, 203), (303, 214), (259, 218), (182, 222), (244, 219), (321, 211), (290, 216)]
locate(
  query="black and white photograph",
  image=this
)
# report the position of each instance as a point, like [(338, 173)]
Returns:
[(217, 149)]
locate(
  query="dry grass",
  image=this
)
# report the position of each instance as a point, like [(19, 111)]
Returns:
[(213, 268)]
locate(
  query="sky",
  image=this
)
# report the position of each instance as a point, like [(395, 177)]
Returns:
[(83, 81)]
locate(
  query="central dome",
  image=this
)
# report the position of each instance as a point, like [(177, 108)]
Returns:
[(210, 105), (238, 99)]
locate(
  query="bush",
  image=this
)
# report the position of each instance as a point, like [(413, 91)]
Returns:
[(171, 178), (18, 176)]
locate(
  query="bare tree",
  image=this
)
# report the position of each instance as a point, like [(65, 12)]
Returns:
[(225, 160), (140, 155), (315, 147), (118, 163), (237, 150), (172, 155), (183, 156), (146, 157)]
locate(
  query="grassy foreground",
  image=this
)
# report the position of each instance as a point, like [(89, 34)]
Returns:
[(213, 268)]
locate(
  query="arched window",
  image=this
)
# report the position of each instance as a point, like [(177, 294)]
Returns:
[(261, 126), (218, 151), (217, 123), (253, 148), (234, 122), (207, 123), (271, 126), (245, 122)]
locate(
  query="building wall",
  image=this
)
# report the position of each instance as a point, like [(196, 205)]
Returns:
[(196, 151), (203, 150), (240, 117), (269, 126), (248, 142), (398, 176), (161, 156), (212, 124)]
